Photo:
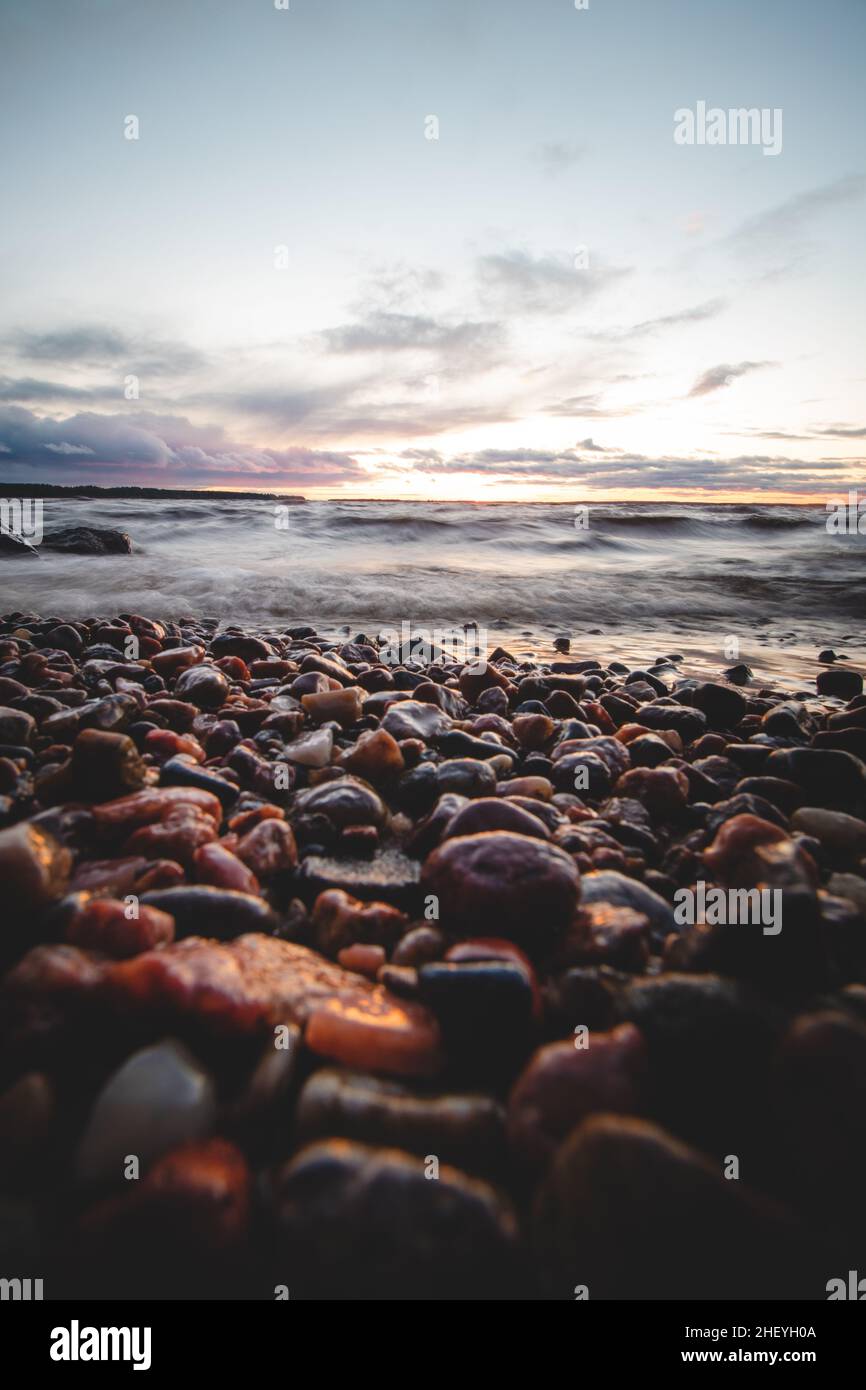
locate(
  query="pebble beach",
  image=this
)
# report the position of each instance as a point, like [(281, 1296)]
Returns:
[(309, 953)]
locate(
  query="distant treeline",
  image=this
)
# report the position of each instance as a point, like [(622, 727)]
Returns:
[(182, 494)]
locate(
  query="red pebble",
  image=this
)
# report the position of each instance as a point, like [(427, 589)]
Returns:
[(177, 837), (268, 848), (216, 865), (364, 960), (165, 743), (106, 925)]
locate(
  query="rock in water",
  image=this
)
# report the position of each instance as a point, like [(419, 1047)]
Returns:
[(89, 540)]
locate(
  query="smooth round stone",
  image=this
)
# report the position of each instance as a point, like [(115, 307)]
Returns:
[(627, 1210), (688, 723), (27, 1113), (269, 848), (344, 801), (414, 719), (449, 1237), (502, 884), (465, 1129), (732, 856), (610, 886), (484, 1007), (785, 795), (105, 765), (789, 720), (843, 683), (160, 1098), (709, 1040), (495, 813), (649, 750), (723, 706), (240, 644), (206, 687), (663, 790), (376, 756), (562, 1084), (745, 804), (834, 778), (418, 946), (34, 867), (585, 773), (344, 705), (818, 1088), (842, 835), (311, 749), (465, 777), (177, 772), (534, 731), (202, 910), (494, 700), (429, 831), (850, 886), (16, 726), (459, 744)]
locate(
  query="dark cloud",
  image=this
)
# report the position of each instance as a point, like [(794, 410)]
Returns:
[(579, 467), (714, 378), (19, 389), (590, 446), (103, 346), (156, 450)]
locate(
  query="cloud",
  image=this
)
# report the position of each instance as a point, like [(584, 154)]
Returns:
[(158, 451), (845, 432), (589, 407), (618, 471), (591, 447), (522, 283), (716, 377), (33, 389), (390, 332), (795, 214), (696, 313), (93, 345), (556, 157)]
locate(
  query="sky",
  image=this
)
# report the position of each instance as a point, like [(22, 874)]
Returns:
[(433, 248)]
